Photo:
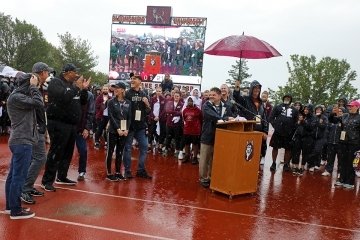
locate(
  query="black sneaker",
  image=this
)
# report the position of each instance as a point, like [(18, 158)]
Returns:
[(143, 174), (97, 145), (119, 176), (286, 167), (8, 211), (27, 198), (273, 167), (295, 171), (205, 184), (65, 181), (36, 193), (48, 187), (81, 176), (112, 178), (22, 215), (194, 161), (128, 175)]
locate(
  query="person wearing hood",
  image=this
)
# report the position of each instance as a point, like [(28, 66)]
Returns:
[(67, 94), (21, 107), (343, 102), (283, 118), (251, 108), (195, 94), (267, 105), (319, 124), (350, 144), (307, 140), (41, 70), (167, 84)]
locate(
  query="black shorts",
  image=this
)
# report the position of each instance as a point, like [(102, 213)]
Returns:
[(278, 141), (191, 139)]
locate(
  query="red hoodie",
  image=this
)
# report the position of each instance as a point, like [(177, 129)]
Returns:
[(192, 121)]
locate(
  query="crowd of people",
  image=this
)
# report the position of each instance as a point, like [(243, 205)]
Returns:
[(168, 121)]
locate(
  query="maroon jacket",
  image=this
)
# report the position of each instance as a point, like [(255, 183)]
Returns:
[(100, 106), (268, 109), (192, 121), (171, 111), (153, 100)]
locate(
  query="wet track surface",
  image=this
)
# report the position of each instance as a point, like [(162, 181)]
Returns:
[(174, 206)]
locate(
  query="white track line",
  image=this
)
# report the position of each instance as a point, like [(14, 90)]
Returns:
[(210, 209), (101, 228)]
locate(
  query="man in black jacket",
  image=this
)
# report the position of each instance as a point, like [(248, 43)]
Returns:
[(213, 111), (66, 95), (140, 108)]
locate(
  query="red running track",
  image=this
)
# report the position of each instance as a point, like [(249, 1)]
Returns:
[(174, 206)]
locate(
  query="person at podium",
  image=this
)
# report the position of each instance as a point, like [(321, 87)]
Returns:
[(213, 110), (251, 108)]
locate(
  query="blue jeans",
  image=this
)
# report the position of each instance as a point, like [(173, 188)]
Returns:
[(141, 137), (82, 149), (19, 166)]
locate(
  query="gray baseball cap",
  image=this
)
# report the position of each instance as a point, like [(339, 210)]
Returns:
[(40, 67)]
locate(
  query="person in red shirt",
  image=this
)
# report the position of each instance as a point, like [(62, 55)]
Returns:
[(192, 117)]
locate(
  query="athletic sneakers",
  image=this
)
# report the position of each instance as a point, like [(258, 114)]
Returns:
[(48, 187), (97, 145), (81, 176), (22, 215), (27, 198), (8, 211), (128, 175), (181, 155), (286, 167), (348, 186), (65, 181), (120, 177), (36, 193), (338, 184), (143, 174), (112, 178), (325, 173), (312, 169)]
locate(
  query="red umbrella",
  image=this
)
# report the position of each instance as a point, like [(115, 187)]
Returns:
[(242, 47)]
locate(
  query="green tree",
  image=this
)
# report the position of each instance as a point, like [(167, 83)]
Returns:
[(321, 82), (97, 78), (235, 74), (193, 33), (77, 51), (22, 44)]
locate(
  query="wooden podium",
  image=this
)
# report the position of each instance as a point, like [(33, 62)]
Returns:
[(236, 158)]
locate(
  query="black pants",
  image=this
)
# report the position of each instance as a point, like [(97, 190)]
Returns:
[(347, 172), (62, 143), (101, 127), (114, 140), (307, 148), (296, 151), (176, 133), (332, 151)]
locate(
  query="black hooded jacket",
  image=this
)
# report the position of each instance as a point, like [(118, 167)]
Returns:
[(249, 109), (283, 118), (65, 101)]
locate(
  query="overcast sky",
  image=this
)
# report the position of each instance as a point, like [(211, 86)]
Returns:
[(305, 27)]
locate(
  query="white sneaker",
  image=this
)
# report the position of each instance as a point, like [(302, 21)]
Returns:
[(323, 162), (317, 167), (311, 169), (181, 155), (357, 173), (262, 161), (325, 173)]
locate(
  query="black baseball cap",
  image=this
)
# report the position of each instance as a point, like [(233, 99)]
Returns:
[(70, 67), (119, 85)]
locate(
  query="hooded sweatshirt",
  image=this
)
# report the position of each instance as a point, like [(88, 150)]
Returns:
[(21, 105)]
